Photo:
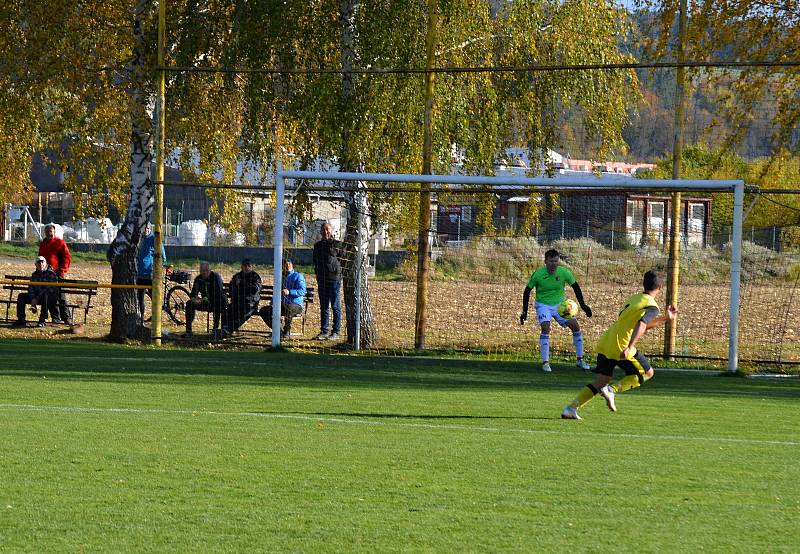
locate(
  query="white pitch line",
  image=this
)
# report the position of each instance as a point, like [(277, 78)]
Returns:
[(360, 421)]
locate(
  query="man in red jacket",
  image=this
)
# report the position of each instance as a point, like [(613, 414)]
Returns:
[(56, 252)]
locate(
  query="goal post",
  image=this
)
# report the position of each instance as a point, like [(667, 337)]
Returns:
[(528, 185)]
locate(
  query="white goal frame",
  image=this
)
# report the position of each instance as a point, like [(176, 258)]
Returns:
[(547, 184)]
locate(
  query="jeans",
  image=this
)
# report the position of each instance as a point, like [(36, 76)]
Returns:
[(288, 311), (237, 315), (217, 310), (329, 296), (66, 316), (49, 304), (141, 292)]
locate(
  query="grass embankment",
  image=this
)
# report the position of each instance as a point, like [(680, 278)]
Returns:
[(120, 449), (502, 258)]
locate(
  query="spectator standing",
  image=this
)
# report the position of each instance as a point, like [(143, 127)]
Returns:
[(293, 294), (328, 270), (42, 296), (56, 252), (144, 263), (245, 294), (208, 295)]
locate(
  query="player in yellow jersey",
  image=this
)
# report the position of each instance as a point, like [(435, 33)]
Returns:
[(616, 347), (549, 281)]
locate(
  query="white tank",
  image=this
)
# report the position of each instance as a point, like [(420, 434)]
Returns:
[(192, 233)]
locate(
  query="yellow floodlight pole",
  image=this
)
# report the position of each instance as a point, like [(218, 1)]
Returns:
[(158, 219), (423, 241), (673, 265)]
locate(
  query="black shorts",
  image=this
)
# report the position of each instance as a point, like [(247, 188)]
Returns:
[(639, 365)]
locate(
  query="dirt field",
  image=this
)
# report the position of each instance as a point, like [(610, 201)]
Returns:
[(483, 317)]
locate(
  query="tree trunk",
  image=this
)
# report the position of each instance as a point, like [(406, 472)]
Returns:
[(357, 252), (126, 321), (356, 202)]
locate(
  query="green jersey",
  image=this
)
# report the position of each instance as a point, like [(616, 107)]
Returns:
[(550, 288)]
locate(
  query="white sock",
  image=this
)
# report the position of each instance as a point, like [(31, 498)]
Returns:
[(577, 340), (544, 347)]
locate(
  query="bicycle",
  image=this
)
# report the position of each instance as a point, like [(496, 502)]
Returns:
[(175, 296)]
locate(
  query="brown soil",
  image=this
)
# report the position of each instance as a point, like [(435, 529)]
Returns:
[(484, 317)]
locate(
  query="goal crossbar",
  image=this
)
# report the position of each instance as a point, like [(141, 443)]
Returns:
[(735, 186), (611, 182)]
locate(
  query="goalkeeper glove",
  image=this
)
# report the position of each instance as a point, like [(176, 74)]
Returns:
[(522, 317), (587, 310)]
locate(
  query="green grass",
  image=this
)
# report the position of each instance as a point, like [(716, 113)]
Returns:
[(108, 448)]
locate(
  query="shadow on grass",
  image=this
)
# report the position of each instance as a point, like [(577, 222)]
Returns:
[(103, 362), (432, 417)]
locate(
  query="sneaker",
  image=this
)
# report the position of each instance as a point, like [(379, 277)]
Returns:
[(580, 364), (187, 335), (40, 324), (608, 393), (19, 323), (570, 413), (321, 336), (546, 367), (333, 336)]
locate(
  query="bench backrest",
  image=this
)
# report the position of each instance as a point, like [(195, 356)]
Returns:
[(266, 293), (68, 286)]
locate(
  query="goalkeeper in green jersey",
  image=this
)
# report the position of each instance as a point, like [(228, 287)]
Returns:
[(549, 281)]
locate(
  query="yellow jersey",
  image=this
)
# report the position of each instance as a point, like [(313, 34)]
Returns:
[(639, 307)]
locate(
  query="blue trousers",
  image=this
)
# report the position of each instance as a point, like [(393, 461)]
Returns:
[(329, 295)]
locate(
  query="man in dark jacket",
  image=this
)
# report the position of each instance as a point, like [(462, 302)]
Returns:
[(328, 270), (41, 296), (245, 294), (56, 252), (208, 295)]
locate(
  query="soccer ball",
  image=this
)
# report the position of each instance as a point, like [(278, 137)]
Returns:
[(568, 308)]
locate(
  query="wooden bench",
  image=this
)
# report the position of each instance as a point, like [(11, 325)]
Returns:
[(265, 299), (79, 294)]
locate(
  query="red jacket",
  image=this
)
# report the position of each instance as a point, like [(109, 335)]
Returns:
[(57, 254)]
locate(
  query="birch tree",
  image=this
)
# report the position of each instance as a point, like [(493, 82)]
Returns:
[(101, 87), (749, 30), (374, 122)]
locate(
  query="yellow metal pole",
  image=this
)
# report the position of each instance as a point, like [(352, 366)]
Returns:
[(423, 240), (158, 210), (673, 265)]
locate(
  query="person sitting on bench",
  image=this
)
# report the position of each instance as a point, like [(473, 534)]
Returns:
[(245, 293), (293, 293), (208, 295), (39, 295)]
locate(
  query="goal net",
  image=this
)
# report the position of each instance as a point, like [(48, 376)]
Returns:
[(487, 235)]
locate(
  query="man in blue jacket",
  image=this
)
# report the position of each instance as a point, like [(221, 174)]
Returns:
[(293, 294), (144, 263)]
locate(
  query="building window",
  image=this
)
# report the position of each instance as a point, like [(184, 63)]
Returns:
[(695, 223), (634, 220)]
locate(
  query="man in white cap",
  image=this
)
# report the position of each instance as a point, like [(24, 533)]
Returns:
[(41, 297)]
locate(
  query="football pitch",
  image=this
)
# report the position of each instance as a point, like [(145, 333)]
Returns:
[(110, 448)]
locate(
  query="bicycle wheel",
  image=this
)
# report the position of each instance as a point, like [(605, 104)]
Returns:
[(177, 298)]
